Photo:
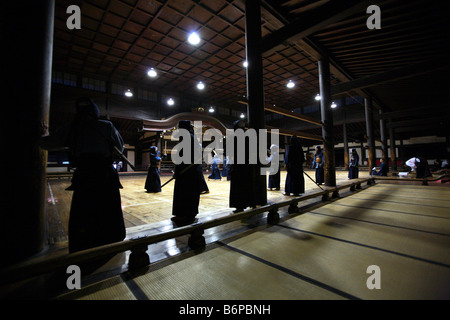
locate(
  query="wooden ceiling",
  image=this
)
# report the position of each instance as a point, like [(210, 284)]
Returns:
[(403, 65)]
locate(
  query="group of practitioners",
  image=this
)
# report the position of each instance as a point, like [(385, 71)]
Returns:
[(96, 216)]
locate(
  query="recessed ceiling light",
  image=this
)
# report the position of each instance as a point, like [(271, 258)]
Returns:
[(200, 86), (333, 105), (317, 98), (128, 93), (152, 73), (245, 64), (194, 38), (211, 109), (170, 102), (290, 84), (242, 116)]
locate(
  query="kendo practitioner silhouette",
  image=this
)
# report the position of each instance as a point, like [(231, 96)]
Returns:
[(242, 191), (294, 159), (353, 170), (318, 165), (274, 179), (153, 181), (96, 216), (215, 172), (188, 183)]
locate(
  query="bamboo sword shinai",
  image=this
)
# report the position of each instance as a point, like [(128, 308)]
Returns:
[(124, 158)]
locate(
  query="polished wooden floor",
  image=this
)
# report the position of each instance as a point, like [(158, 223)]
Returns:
[(142, 209), (323, 253)]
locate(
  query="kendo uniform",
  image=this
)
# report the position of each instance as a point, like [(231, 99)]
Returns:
[(242, 192), (153, 181), (226, 170), (215, 172), (203, 185), (382, 172), (353, 169), (96, 216), (294, 159), (318, 165), (187, 189), (422, 168), (274, 179)]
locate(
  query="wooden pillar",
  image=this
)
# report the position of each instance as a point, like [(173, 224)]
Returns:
[(255, 85), (383, 138), (392, 149), (327, 122), (27, 67), (370, 135), (345, 138)]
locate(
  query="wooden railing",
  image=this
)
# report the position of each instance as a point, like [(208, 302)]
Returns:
[(139, 258), (411, 179)]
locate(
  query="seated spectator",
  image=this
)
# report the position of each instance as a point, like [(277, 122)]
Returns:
[(382, 171)]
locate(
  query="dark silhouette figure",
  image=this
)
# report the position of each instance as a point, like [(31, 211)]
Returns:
[(353, 170), (294, 159), (188, 183), (318, 165), (153, 181), (96, 216)]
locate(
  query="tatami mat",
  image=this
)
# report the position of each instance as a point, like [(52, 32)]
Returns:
[(321, 254)]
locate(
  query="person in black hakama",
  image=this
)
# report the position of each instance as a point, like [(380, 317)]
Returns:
[(420, 165), (153, 181), (188, 183), (353, 169), (96, 216), (274, 179), (318, 165), (294, 159), (242, 191)]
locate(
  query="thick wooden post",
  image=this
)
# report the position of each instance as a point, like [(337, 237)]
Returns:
[(392, 149), (27, 68), (370, 135), (327, 122), (255, 85), (383, 138)]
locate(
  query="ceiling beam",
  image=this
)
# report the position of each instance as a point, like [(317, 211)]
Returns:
[(315, 50), (288, 113), (441, 109), (303, 135), (418, 123), (391, 75), (311, 22)]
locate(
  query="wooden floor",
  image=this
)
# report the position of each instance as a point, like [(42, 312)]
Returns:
[(323, 253), (142, 209)]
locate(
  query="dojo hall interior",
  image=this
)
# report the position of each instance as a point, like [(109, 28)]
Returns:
[(369, 77)]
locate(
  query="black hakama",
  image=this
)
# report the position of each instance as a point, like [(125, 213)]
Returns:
[(294, 159), (96, 216)]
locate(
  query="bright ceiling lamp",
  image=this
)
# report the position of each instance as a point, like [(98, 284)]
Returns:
[(242, 116), (128, 93), (170, 102), (200, 86), (211, 109), (333, 105), (245, 64), (152, 73), (194, 38), (317, 98), (290, 84)]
